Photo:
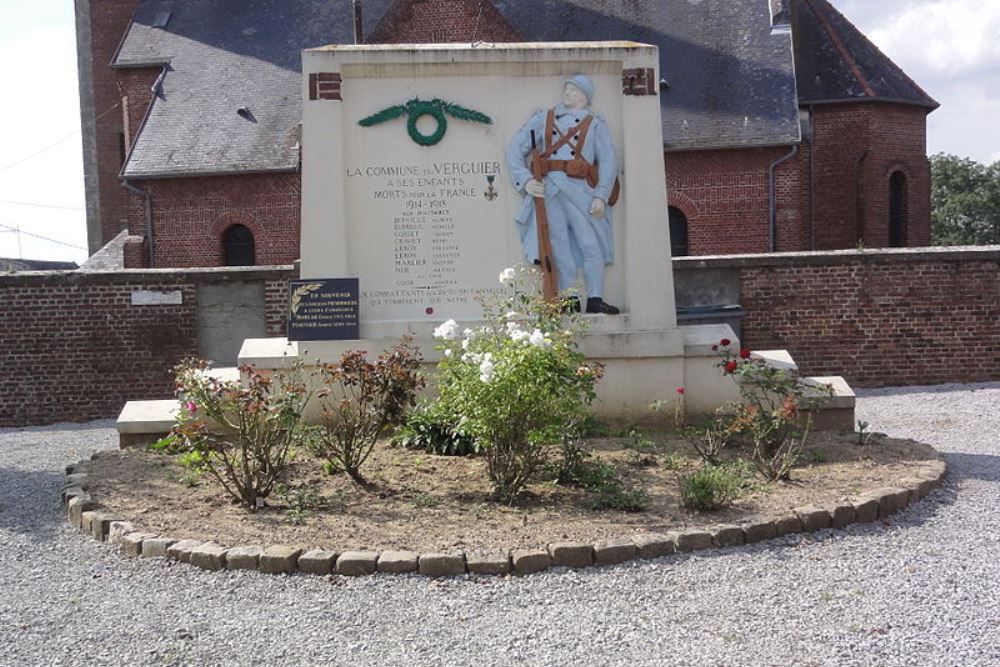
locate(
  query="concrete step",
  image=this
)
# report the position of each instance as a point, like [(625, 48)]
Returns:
[(224, 373), (141, 423), (836, 410), (780, 359)]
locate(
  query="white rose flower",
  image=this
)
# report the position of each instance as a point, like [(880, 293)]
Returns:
[(447, 331), (486, 370), (507, 277), (465, 344), (518, 335), (447, 353), (511, 315), (538, 339)]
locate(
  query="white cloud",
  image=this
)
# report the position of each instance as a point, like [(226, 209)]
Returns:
[(944, 36), (966, 123), (951, 48), (41, 107)]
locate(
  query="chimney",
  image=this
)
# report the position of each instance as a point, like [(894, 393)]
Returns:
[(359, 31)]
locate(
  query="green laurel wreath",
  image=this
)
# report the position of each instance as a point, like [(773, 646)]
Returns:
[(416, 109)]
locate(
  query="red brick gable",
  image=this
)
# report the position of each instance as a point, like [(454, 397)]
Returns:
[(442, 21)]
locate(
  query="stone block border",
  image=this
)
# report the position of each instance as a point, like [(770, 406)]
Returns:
[(83, 512)]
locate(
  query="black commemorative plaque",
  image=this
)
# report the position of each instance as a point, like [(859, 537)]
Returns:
[(323, 309)]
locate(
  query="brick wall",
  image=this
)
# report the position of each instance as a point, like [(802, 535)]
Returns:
[(191, 216), (76, 348), (442, 21), (856, 148), (725, 196), (894, 317), (832, 194), (898, 143)]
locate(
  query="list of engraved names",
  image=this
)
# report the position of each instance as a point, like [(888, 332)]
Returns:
[(426, 209)]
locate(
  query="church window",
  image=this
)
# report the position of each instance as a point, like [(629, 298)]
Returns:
[(897, 210), (238, 246), (678, 232)]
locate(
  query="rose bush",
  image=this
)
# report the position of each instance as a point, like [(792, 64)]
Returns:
[(517, 383), (242, 433), (771, 411)]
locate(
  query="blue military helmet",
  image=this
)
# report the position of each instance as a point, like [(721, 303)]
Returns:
[(583, 82)]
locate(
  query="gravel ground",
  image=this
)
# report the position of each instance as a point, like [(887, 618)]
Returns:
[(921, 590)]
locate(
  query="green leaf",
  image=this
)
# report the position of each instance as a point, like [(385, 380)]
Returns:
[(385, 115), (462, 113)]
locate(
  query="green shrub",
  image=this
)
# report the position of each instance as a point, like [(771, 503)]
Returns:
[(616, 497), (518, 383), (710, 488), (429, 429), (360, 399), (194, 460), (170, 444), (577, 468)]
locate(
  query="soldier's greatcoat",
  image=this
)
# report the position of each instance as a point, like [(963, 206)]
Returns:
[(568, 197)]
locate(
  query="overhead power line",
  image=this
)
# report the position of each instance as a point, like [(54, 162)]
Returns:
[(53, 145), (38, 236), (36, 205)]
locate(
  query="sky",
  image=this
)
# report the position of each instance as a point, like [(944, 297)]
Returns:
[(950, 47)]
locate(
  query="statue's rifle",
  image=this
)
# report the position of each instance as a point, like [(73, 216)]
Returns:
[(549, 291)]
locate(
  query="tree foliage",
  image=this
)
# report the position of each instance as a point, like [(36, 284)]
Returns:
[(965, 201)]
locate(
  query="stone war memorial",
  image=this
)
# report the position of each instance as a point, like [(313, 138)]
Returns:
[(415, 167), (417, 182)]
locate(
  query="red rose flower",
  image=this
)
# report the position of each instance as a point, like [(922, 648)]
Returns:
[(715, 348), (725, 342), (680, 390), (731, 366), (744, 354)]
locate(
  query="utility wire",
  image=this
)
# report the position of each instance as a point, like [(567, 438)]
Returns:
[(37, 236), (53, 145), (35, 205)]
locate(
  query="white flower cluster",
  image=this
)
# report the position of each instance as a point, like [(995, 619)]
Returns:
[(486, 369), (519, 335), (486, 365), (447, 331)]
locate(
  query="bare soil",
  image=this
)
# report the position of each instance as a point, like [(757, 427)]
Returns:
[(424, 502)]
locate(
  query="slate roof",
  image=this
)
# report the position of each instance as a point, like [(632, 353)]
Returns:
[(835, 62), (222, 55), (731, 81)]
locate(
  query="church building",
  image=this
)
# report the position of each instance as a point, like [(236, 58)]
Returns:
[(785, 128)]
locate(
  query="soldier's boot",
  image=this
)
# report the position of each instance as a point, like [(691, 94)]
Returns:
[(595, 304)]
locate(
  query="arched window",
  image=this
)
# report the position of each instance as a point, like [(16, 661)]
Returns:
[(897, 210), (678, 232), (238, 246)]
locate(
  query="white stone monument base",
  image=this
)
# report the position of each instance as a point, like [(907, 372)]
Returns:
[(640, 366)]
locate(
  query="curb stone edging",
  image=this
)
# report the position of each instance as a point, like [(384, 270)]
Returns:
[(88, 516)]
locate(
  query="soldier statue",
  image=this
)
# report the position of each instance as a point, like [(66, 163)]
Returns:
[(579, 188)]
